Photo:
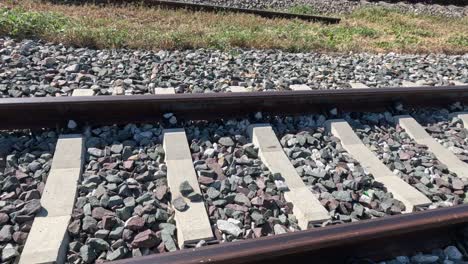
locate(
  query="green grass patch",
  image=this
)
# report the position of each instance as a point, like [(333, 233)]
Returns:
[(459, 40), (368, 29), (302, 10), (19, 23), (341, 35), (372, 14)]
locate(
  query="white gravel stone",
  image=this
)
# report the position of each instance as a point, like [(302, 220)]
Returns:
[(453, 253), (228, 228), (72, 124)]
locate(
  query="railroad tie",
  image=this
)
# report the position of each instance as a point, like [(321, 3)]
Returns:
[(419, 134), (458, 83), (83, 92), (169, 90), (464, 118), (48, 239), (238, 89), (299, 87), (306, 207), (193, 224), (411, 84), (401, 190), (358, 85)]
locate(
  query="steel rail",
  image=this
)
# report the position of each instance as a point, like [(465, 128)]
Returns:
[(217, 8), (44, 112), (428, 2), (377, 239)]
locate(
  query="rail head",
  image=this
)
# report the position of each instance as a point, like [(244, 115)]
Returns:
[(42, 112)]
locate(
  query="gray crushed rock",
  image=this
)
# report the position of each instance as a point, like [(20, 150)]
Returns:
[(240, 193), (123, 205), (37, 69), (345, 188), (26, 161), (410, 161), (343, 6)]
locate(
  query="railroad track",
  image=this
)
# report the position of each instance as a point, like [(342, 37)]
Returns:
[(217, 8), (260, 186), (438, 2)]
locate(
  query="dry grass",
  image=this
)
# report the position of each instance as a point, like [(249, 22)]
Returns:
[(369, 30)]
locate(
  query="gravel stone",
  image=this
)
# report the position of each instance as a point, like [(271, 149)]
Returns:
[(185, 188), (241, 199), (117, 254), (145, 239), (9, 252), (279, 229), (226, 141), (420, 258), (87, 254), (204, 71), (229, 228), (180, 204), (342, 6), (6, 233), (23, 173), (89, 224), (98, 244), (168, 241), (135, 223), (453, 253)]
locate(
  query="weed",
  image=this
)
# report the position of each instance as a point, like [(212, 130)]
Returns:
[(302, 10)]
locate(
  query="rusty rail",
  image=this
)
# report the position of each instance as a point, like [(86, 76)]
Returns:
[(376, 239), (99, 110), (428, 2)]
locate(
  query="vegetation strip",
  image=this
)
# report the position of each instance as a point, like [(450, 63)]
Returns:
[(140, 27)]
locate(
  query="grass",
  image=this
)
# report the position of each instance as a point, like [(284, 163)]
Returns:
[(134, 26), (302, 9)]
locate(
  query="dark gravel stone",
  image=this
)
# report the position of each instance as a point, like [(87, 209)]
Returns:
[(180, 204), (145, 239), (185, 188)]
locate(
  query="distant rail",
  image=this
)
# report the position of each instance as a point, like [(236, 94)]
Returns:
[(429, 2), (217, 8)]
